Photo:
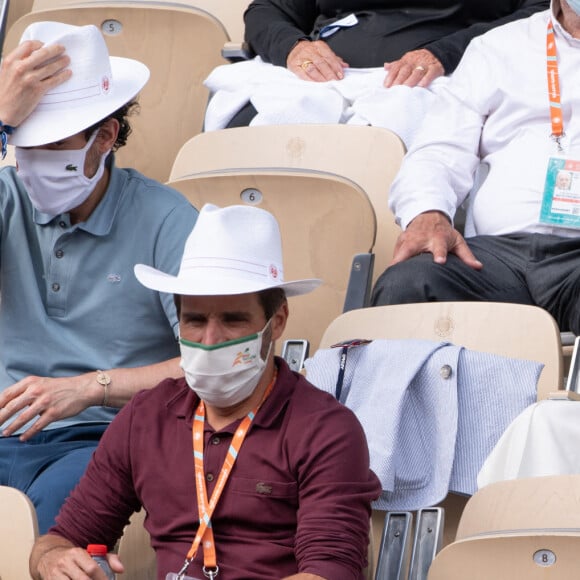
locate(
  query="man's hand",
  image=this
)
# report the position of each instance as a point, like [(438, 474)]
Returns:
[(26, 74), (64, 562), (49, 398), (418, 68), (315, 61), (432, 232)]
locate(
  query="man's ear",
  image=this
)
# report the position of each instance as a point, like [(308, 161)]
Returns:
[(279, 320), (107, 135)]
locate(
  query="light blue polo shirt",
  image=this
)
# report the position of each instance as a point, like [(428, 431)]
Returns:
[(70, 302)]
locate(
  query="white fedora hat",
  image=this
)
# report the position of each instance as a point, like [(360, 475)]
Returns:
[(231, 250), (99, 85)]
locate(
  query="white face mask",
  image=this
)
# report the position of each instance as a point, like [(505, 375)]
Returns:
[(224, 374), (55, 180)]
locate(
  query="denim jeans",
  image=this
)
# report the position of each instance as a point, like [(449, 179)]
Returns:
[(48, 466)]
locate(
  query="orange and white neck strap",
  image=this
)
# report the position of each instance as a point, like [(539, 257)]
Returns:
[(554, 87), (205, 509)]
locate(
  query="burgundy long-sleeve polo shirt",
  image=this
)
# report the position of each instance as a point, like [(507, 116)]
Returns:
[(298, 498)]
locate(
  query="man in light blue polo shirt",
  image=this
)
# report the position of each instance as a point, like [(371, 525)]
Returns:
[(78, 334)]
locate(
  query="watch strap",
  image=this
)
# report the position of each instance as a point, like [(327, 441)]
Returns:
[(104, 380)]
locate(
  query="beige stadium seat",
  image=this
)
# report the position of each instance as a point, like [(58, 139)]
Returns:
[(368, 156), (326, 184), (228, 12), (524, 528), (135, 550), (17, 9), (324, 221), (180, 45), (512, 330), (18, 531)]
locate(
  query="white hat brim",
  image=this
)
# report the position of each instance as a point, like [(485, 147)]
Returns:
[(44, 126), (217, 286)]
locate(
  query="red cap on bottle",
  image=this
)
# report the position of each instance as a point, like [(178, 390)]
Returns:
[(97, 549)]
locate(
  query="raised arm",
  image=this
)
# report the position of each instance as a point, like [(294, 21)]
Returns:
[(26, 74)]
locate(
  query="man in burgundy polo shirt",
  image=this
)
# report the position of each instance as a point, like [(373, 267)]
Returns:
[(279, 468)]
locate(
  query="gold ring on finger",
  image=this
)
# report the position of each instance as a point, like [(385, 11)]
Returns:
[(305, 64), (420, 68)]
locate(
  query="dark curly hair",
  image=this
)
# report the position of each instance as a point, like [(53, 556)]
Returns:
[(121, 115)]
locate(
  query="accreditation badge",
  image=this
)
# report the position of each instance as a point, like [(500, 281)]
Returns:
[(561, 199)]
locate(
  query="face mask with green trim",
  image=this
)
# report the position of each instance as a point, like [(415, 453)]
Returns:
[(227, 373)]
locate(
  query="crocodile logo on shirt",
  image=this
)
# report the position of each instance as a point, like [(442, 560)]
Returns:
[(71, 167), (263, 488)]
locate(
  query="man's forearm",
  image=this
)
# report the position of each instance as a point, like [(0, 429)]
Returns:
[(57, 398), (126, 382)]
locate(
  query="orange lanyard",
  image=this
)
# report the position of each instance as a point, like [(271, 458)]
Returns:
[(554, 87), (205, 509)]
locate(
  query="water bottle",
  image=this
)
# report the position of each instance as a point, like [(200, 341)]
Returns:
[(99, 553)]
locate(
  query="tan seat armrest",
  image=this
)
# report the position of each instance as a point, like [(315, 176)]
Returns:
[(564, 396), (236, 51)]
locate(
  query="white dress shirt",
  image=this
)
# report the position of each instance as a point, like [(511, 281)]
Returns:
[(494, 111)]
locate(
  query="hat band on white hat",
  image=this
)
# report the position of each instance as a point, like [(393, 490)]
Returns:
[(232, 250), (271, 271), (74, 97)]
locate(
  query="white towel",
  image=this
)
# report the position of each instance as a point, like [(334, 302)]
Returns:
[(280, 97)]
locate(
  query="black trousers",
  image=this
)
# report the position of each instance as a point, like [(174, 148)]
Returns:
[(538, 269)]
